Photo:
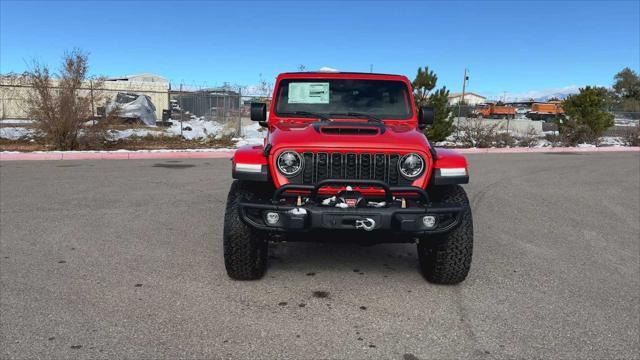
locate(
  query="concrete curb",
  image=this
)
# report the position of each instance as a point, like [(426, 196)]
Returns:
[(225, 154), (549, 150), (116, 155)]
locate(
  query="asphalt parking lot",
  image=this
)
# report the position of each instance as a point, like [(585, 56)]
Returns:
[(123, 259)]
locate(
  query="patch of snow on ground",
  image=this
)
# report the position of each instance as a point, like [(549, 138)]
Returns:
[(15, 133), (127, 133), (16, 121), (542, 143), (612, 141), (194, 129), (626, 122), (252, 134)]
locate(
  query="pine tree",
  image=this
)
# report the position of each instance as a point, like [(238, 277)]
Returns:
[(626, 91), (627, 84), (588, 110), (443, 122), (423, 84)]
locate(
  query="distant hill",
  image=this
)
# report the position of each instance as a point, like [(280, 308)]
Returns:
[(558, 95)]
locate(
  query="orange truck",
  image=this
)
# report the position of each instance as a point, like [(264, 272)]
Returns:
[(494, 111), (545, 111)]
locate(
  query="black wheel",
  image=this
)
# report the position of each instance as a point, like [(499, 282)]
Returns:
[(446, 258), (245, 249)]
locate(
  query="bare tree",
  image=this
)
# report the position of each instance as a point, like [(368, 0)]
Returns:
[(59, 104), (529, 138), (477, 133)]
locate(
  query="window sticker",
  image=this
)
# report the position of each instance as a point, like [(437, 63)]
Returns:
[(308, 93)]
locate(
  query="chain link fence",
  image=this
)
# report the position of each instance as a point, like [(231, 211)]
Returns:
[(228, 105), (622, 119)]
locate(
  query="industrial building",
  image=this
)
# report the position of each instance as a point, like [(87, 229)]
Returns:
[(469, 98), (14, 90)]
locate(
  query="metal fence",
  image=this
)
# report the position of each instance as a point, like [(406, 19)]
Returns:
[(227, 104)]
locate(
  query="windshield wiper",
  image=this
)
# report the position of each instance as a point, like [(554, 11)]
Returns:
[(360, 115), (306, 114)]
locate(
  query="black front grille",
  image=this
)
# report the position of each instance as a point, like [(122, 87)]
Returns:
[(368, 166)]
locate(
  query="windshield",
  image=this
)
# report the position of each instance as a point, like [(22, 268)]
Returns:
[(344, 97)]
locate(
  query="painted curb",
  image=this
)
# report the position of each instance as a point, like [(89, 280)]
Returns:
[(549, 150), (116, 155), (225, 154)]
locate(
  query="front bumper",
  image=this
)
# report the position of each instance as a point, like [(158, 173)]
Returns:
[(314, 216)]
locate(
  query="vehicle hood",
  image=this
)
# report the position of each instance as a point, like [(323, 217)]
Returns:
[(391, 136)]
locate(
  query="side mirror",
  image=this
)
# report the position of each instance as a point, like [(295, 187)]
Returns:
[(426, 116), (259, 112)]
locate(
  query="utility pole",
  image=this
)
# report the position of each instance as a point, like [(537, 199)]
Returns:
[(93, 110), (464, 84), (370, 68), (239, 110), (181, 110)]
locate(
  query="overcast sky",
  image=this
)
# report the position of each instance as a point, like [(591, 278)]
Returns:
[(519, 48)]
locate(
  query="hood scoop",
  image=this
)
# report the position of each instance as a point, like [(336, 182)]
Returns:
[(349, 128)]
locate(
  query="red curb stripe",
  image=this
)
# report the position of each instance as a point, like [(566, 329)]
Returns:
[(30, 156), (547, 150), (183, 155)]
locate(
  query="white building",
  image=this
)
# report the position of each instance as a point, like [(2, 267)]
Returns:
[(469, 98)]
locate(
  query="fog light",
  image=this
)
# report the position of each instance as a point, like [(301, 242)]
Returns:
[(272, 218), (429, 221)]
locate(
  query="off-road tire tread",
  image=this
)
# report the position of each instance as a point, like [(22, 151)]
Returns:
[(446, 258), (245, 248)]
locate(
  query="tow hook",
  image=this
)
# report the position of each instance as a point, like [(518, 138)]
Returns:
[(367, 224)]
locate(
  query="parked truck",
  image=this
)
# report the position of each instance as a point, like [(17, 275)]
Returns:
[(494, 111), (546, 111)]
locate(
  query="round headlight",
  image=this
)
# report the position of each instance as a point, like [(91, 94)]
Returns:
[(289, 163), (411, 166)]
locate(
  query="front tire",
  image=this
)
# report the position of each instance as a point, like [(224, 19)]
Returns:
[(245, 248), (446, 258)]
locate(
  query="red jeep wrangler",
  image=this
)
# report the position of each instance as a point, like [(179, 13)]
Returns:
[(346, 152)]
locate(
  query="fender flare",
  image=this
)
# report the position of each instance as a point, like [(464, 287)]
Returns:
[(249, 163), (450, 167)]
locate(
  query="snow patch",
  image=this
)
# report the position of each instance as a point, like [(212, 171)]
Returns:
[(16, 133), (128, 133), (611, 141), (252, 134), (17, 121), (194, 129)]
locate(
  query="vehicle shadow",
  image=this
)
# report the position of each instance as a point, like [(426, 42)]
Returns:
[(342, 253)]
